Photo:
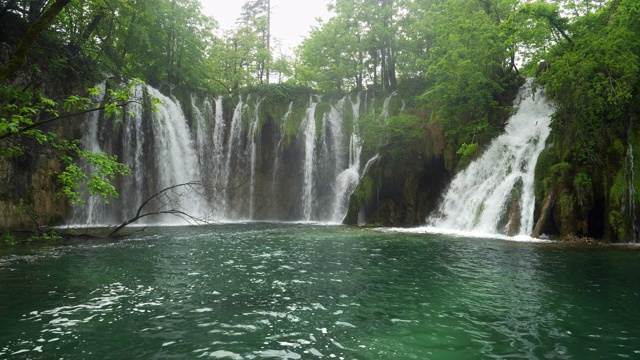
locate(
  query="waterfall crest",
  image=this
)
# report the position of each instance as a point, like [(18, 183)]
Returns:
[(495, 195)]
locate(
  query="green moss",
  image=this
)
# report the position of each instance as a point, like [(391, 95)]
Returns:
[(347, 117), (616, 222), (7, 239), (321, 109), (395, 105), (559, 176), (583, 187), (364, 190), (567, 214), (617, 190), (546, 160), (298, 113)]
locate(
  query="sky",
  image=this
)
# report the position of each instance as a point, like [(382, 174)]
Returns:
[(291, 20)]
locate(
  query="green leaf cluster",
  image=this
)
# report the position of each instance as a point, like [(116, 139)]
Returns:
[(24, 116)]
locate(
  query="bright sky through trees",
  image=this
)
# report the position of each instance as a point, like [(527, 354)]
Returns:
[(291, 19)]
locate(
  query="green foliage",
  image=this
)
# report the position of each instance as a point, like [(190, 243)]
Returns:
[(582, 180), (399, 135), (559, 176), (467, 150), (583, 187), (594, 79), (546, 160), (103, 169), (616, 193), (616, 222), (322, 109), (356, 46), (364, 191), (567, 214), (26, 112), (50, 236), (7, 239)]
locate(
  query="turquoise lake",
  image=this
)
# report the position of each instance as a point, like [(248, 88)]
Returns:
[(286, 291)]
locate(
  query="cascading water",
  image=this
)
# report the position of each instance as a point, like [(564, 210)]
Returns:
[(233, 144), (257, 168), (253, 149), (347, 180), (95, 207), (478, 198), (385, 106), (629, 205), (218, 176), (133, 157), (276, 158), (173, 145), (309, 125)]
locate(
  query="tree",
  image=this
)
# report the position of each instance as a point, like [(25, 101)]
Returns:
[(42, 22), (256, 18), (359, 45), (23, 118)]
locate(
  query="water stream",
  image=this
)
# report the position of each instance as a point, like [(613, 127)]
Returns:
[(494, 194), (308, 178)]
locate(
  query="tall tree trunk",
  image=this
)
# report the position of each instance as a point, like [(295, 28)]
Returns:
[(268, 38), (36, 8), (393, 81), (383, 70), (45, 20)]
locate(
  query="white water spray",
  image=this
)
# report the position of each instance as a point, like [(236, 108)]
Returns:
[(173, 144), (478, 197), (309, 126), (252, 140), (347, 180)]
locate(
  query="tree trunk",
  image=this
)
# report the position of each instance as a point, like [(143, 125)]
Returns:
[(544, 214), (19, 58), (393, 81)]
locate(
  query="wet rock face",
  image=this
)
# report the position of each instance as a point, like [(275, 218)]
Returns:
[(394, 194), (29, 192)]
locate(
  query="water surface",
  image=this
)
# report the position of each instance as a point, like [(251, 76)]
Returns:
[(253, 291)]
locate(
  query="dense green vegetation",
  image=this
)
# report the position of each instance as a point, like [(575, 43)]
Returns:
[(456, 63), (594, 78)]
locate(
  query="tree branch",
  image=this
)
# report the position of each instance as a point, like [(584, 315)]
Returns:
[(43, 122), (166, 193)]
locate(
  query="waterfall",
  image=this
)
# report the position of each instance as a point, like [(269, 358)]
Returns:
[(347, 180), (200, 117), (95, 207), (276, 153), (257, 169), (252, 140), (355, 146), (218, 177), (309, 126), (629, 205), (385, 106), (133, 156), (478, 197), (176, 149), (235, 133)]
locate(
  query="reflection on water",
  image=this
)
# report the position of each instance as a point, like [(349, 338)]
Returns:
[(303, 292)]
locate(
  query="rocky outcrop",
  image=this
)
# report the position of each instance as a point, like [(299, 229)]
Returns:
[(29, 192), (403, 187)]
